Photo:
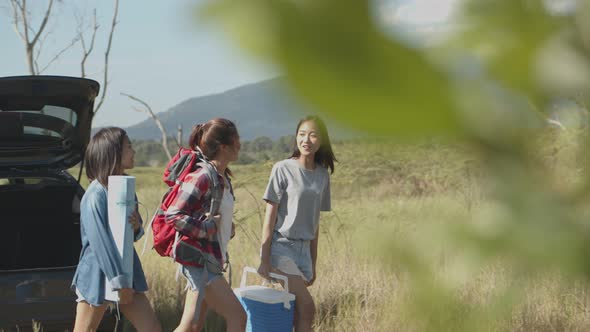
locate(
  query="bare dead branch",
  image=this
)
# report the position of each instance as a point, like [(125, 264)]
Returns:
[(21, 7), (22, 23), (43, 23), (106, 58), (17, 3), (15, 11), (38, 49), (87, 52), (36, 66), (148, 110), (23, 13), (72, 43), (26, 28)]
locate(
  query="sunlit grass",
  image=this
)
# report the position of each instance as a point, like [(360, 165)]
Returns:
[(404, 194)]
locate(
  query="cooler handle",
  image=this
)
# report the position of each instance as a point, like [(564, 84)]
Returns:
[(273, 275)]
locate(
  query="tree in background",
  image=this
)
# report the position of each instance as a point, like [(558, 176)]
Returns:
[(33, 38), (261, 143), (284, 145), (487, 84), (148, 110)]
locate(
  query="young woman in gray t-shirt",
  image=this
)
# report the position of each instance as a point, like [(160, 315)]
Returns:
[(298, 189)]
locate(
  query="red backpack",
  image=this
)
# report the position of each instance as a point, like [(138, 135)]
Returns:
[(165, 235), (183, 163)]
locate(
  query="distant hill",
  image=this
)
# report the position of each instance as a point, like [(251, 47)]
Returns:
[(260, 109)]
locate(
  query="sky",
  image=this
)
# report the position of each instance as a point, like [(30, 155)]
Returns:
[(162, 54), (420, 23)]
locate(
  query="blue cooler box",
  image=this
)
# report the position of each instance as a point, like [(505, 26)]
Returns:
[(268, 309)]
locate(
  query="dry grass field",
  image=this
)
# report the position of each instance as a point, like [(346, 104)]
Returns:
[(394, 191)]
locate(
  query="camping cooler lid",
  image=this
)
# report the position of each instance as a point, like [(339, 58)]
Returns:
[(264, 294)]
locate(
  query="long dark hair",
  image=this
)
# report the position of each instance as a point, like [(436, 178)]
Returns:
[(324, 156), (104, 153), (209, 136)]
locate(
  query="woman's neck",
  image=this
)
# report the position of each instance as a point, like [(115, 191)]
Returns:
[(307, 161), (220, 165)]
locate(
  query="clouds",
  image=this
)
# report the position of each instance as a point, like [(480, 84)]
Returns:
[(561, 7), (425, 12), (416, 12), (420, 22)]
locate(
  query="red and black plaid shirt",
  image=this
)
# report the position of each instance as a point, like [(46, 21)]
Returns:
[(187, 213)]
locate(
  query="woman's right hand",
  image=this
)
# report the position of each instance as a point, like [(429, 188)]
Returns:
[(264, 269), (217, 220), (126, 295)]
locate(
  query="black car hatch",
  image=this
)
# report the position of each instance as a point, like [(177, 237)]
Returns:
[(45, 121)]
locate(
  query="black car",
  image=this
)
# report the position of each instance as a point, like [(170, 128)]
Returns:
[(44, 130)]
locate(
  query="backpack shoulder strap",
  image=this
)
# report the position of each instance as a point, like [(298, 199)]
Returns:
[(181, 164), (216, 192)]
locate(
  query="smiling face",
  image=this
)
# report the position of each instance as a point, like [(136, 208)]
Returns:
[(308, 138), (127, 155)]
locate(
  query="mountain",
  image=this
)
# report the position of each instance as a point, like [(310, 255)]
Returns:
[(260, 109)]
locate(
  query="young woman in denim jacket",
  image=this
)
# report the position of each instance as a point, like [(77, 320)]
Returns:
[(109, 153), (298, 189)]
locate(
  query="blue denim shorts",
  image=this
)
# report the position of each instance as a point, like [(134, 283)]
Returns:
[(291, 256), (194, 274)]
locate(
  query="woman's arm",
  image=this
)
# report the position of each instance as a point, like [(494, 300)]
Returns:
[(188, 200), (314, 255), (95, 221), (137, 223), (270, 219)]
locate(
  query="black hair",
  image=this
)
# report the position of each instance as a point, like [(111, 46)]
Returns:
[(324, 156)]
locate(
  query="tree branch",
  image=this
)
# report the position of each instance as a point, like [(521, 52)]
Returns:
[(14, 4), (148, 110), (72, 43), (87, 52), (23, 13), (44, 23), (106, 58)]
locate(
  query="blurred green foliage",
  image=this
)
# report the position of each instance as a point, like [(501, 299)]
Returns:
[(489, 84)]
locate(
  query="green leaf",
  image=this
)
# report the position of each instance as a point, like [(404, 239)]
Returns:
[(340, 62)]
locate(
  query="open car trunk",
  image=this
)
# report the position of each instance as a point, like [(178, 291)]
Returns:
[(41, 223)]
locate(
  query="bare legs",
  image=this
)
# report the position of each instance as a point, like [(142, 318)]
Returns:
[(88, 317), (304, 305), (220, 298), (139, 313), (190, 306)]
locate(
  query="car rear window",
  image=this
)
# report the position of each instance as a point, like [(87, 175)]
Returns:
[(59, 112)]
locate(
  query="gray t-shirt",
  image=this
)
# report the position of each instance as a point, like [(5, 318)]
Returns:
[(301, 195)]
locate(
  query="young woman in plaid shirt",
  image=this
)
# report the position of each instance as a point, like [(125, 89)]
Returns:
[(204, 235)]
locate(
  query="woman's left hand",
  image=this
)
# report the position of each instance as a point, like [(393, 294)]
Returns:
[(135, 220)]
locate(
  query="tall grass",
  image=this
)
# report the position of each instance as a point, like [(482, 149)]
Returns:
[(396, 190)]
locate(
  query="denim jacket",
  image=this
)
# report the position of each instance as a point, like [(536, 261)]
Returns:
[(99, 256)]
